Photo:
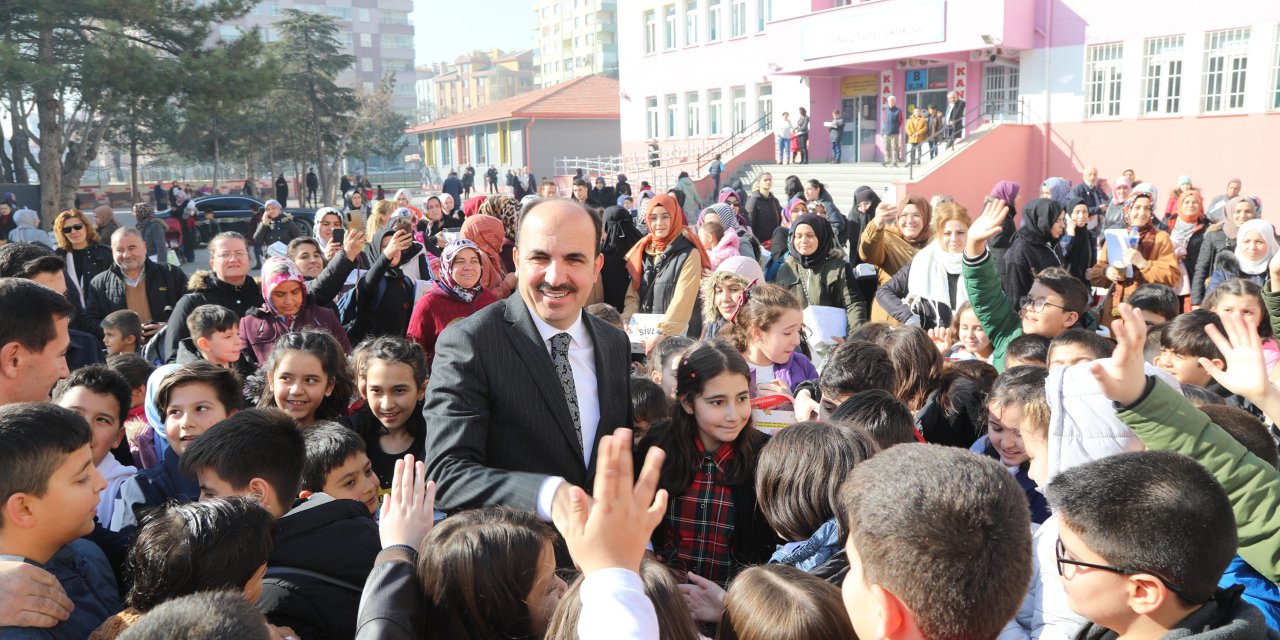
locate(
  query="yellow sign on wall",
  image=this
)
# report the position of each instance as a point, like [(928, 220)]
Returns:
[(858, 86)]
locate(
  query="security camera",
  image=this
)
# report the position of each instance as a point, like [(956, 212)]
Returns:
[(991, 58)]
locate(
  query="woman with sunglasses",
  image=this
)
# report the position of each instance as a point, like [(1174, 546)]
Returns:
[(1149, 258), (77, 241)]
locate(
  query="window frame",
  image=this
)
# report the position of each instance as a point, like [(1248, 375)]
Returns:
[(1233, 53), (1162, 89), (1102, 95)]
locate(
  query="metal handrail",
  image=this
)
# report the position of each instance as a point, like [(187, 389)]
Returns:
[(971, 119), (732, 142)]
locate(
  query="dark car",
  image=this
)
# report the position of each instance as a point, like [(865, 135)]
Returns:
[(230, 213)]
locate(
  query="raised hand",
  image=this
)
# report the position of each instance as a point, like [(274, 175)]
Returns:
[(1244, 371), (612, 532), (942, 338), (408, 512), (353, 243), (704, 597), (1123, 378), (987, 226), (886, 213)]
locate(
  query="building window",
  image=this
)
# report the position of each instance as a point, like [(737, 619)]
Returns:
[(1275, 71), (366, 64), (650, 32), (672, 108), (739, 109), (715, 112), (669, 26), (1102, 79), (651, 115), (691, 22), (693, 115), (764, 104), (999, 89), (362, 15), (1161, 75), (737, 18), (764, 13), (713, 20), (366, 39), (1226, 59), (591, 39)]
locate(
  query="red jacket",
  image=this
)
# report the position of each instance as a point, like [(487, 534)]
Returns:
[(259, 329), (437, 310)]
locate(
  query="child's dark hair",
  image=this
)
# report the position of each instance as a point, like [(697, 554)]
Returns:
[(134, 368), (1245, 289), (294, 246), (666, 348), (477, 569), (606, 312), (1023, 387), (1157, 298), (1200, 397), (1154, 512), (917, 363), (1185, 335), (648, 401), (981, 373), (713, 228), (1246, 429), (782, 602), (1028, 347), (255, 443), (395, 350), (209, 615), (333, 361), (762, 305), (1097, 346), (1075, 295), (800, 471), (198, 546), (35, 437), (328, 445), (208, 319), (857, 365), (101, 380), (946, 513), (127, 323), (704, 360), (870, 331), (224, 382), (881, 415)]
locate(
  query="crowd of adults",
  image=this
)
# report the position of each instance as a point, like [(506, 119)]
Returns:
[(483, 416)]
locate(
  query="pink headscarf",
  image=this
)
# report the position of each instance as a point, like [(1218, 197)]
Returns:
[(275, 272)]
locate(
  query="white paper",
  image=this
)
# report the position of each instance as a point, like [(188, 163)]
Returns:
[(644, 326), (824, 325), (1116, 241)]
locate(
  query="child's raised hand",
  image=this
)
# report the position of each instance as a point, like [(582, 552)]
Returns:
[(987, 226), (1244, 371), (704, 597), (942, 338), (612, 532), (1123, 378), (805, 407), (408, 511)]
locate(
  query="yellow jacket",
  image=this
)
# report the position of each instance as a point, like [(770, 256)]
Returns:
[(917, 129)]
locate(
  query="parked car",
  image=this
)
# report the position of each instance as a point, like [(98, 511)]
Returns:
[(229, 213)]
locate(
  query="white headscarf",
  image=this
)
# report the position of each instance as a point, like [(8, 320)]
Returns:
[(1268, 233)]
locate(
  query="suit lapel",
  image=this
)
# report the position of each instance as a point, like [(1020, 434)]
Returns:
[(533, 352), (607, 386)]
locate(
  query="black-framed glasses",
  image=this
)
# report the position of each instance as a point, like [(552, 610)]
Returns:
[(1060, 555), (73, 227), (1037, 304)]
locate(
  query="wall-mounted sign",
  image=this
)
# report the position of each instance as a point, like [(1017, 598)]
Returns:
[(858, 86), (887, 25)]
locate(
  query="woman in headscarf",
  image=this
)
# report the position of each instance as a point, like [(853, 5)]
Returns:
[(456, 294), (748, 246), (730, 197), (451, 209), (892, 239), (1186, 230), (1078, 246), (1114, 217), (666, 268), (77, 244), (104, 218), (929, 290), (1255, 246), (506, 209), (327, 220), (796, 207), (153, 231), (487, 234), (1034, 248), (622, 188), (601, 195), (434, 222), (1219, 238), (620, 234), (472, 206), (287, 308), (401, 199), (1149, 258), (1005, 191), (816, 272), (1056, 189), (357, 209), (1175, 197)]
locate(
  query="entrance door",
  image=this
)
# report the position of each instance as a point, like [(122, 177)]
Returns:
[(926, 87), (858, 144)]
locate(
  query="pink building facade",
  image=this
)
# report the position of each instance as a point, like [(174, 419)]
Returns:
[(1185, 88)]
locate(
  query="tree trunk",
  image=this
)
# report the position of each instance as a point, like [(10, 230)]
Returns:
[(49, 110), (217, 156), (134, 194), (19, 141), (78, 156)]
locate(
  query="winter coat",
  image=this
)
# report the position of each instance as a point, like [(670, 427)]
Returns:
[(399, 611), (822, 554), (917, 129), (390, 317), (1216, 241), (1227, 267), (205, 288), (1162, 268), (826, 286), (692, 205), (889, 252), (1033, 248), (1258, 591), (1194, 243), (152, 488), (435, 311), (96, 258), (729, 246), (260, 328), (764, 214), (954, 414), (282, 190), (281, 230), (86, 576), (324, 550), (154, 235), (105, 231), (28, 229), (165, 284)]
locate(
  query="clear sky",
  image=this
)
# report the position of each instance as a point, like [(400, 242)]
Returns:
[(445, 29)]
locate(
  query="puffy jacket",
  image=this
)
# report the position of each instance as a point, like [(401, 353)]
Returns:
[(260, 328), (205, 288), (166, 284), (1033, 248), (282, 230), (673, 289)]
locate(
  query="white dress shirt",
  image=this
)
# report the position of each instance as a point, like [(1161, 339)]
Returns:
[(585, 384)]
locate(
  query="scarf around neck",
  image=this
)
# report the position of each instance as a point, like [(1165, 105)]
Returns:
[(635, 257)]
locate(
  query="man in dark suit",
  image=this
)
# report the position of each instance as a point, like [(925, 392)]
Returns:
[(954, 119), (523, 390)]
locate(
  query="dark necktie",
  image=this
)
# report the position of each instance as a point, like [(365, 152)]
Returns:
[(560, 357)]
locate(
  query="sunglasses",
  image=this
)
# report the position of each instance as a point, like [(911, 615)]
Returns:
[(73, 227)]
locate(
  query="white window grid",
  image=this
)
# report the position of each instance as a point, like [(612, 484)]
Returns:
[(713, 20), (715, 112), (672, 109), (691, 23), (693, 115), (1273, 103), (1162, 75), (650, 32), (764, 13), (739, 109), (1103, 75), (669, 26), (1226, 62), (651, 113), (737, 18)]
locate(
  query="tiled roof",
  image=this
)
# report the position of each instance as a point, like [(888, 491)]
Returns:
[(586, 97)]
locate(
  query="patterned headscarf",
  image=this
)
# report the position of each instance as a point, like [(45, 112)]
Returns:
[(506, 209), (445, 280), (720, 212), (1059, 189), (142, 212), (275, 272)]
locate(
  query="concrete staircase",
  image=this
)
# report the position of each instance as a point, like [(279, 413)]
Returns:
[(841, 179)]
